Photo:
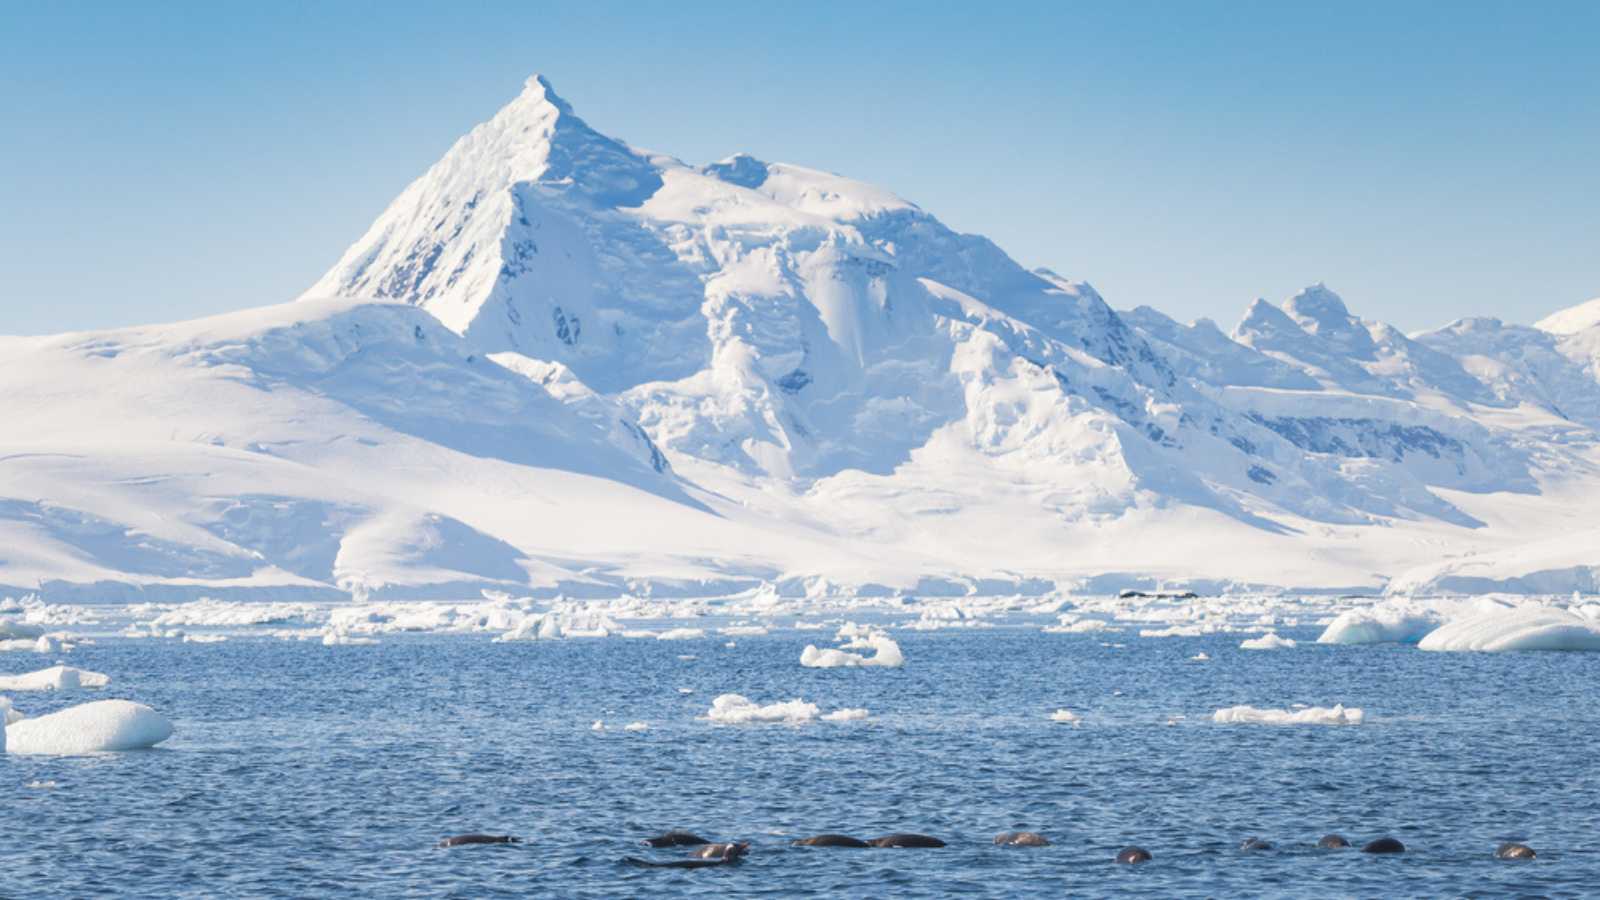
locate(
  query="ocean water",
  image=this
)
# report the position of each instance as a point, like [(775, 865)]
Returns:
[(301, 770)]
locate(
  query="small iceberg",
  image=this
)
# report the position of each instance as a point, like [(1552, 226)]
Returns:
[(1066, 717), (1391, 623), (736, 709), (1268, 641), (55, 678), (1516, 628), (105, 726), (886, 652), (1316, 715)]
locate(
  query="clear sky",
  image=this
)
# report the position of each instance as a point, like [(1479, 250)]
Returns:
[(1426, 160)]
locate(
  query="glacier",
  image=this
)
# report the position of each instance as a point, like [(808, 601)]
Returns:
[(559, 364)]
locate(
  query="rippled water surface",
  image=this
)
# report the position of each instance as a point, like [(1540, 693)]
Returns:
[(303, 770)]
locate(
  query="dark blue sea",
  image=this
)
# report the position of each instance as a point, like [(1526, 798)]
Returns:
[(299, 770)]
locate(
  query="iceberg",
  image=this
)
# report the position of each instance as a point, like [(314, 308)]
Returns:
[(1516, 628), (55, 678), (736, 709), (105, 726)]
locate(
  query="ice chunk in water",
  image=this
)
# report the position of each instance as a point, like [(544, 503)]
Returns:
[(1316, 715), (100, 727), (55, 678)]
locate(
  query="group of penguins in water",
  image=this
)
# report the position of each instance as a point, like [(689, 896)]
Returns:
[(704, 853)]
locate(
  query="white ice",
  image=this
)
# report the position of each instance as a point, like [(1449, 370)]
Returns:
[(1268, 641), (55, 678), (100, 727), (1517, 628), (735, 709), (1316, 715)]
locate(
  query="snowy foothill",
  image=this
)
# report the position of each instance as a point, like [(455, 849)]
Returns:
[(104, 726), (55, 678), (1315, 715)]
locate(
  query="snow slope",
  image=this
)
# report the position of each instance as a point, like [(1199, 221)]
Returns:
[(559, 363)]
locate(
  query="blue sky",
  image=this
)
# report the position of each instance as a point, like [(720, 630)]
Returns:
[(1428, 161)]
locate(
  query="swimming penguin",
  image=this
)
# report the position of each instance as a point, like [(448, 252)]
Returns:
[(1134, 855), (1021, 839), (462, 840), (675, 839), (905, 840), (1384, 845), (831, 840), (1514, 850)]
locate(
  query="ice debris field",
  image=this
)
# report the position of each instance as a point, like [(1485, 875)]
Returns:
[(33, 630), (1072, 701)]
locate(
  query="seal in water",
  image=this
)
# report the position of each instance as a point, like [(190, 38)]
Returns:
[(1514, 850), (676, 839), (1332, 842), (699, 858), (905, 840), (1134, 855), (1384, 845), (1021, 839), (831, 840), (462, 840), (1253, 844)]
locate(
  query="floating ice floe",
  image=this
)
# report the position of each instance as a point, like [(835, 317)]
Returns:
[(209, 613), (1200, 657), (1395, 621), (55, 678), (1517, 628), (105, 726), (13, 630), (1066, 717), (735, 709), (845, 715), (1268, 641), (7, 716), (681, 634), (743, 630), (337, 638), (40, 644), (1316, 715), (1176, 631), (1071, 624), (599, 725), (885, 651), (636, 726)]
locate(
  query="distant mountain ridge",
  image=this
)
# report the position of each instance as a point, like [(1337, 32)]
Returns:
[(559, 363)]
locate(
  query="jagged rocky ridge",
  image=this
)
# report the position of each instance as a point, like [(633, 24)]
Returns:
[(772, 373)]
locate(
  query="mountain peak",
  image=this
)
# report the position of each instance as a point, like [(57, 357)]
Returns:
[(538, 90), (1572, 319), (1318, 308)]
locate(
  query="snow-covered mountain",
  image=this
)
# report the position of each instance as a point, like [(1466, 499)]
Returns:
[(560, 363)]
